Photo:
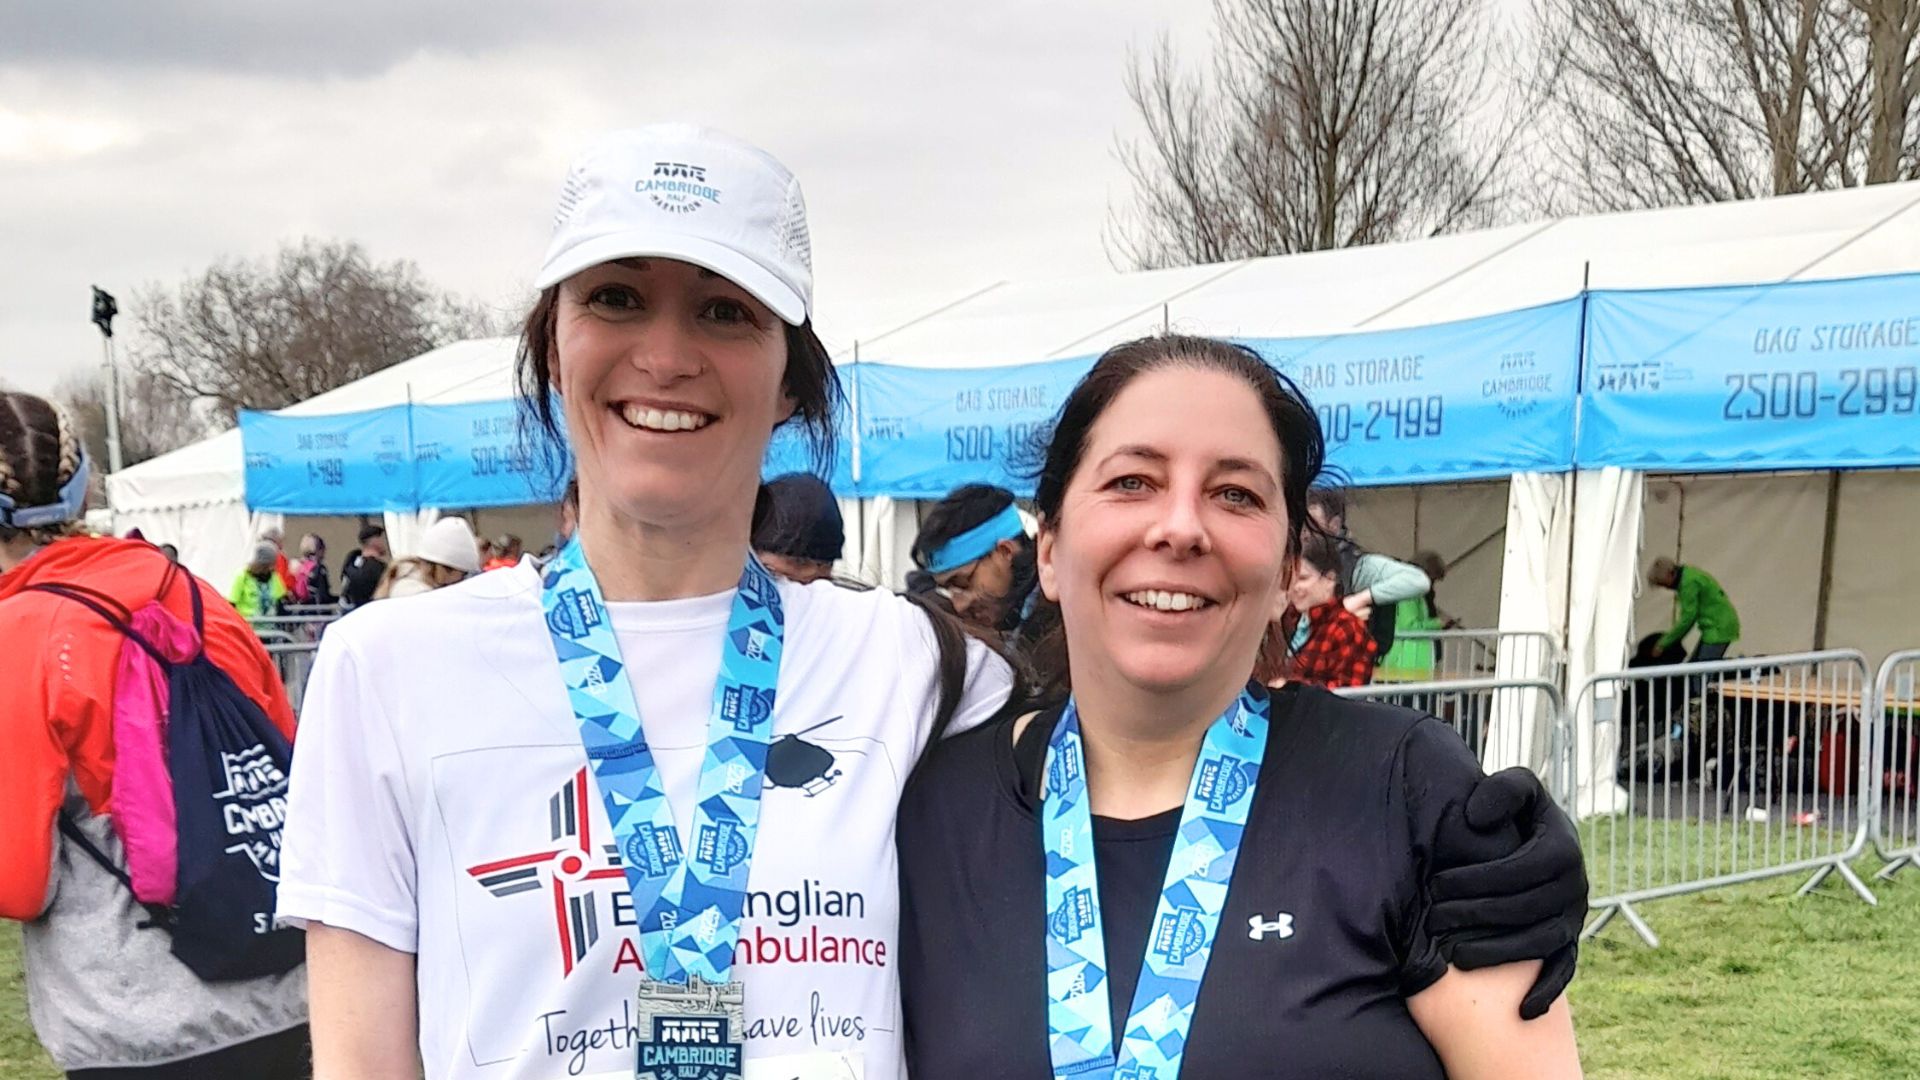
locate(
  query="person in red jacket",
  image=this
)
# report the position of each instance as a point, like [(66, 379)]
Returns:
[(106, 996), (1327, 644)]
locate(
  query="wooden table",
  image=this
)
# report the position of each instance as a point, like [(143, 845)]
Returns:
[(1822, 693)]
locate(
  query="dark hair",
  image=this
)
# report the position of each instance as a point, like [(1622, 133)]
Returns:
[(965, 507), (803, 520), (1303, 449), (811, 380), (368, 532), (1295, 425), (1320, 551), (1331, 500), (39, 452)]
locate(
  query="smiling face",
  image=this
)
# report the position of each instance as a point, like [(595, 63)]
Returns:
[(1311, 587), (1170, 543), (672, 378)]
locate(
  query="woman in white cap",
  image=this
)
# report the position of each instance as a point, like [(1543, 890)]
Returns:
[(631, 813), (450, 846), (446, 555)]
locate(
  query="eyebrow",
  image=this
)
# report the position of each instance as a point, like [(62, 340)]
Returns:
[(1229, 464)]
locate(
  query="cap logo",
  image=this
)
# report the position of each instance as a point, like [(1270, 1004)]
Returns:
[(677, 188)]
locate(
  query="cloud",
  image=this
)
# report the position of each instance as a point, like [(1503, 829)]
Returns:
[(340, 38), (941, 149)]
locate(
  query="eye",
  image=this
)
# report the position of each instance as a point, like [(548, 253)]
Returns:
[(614, 297), (1132, 483), (729, 312), (1241, 497)]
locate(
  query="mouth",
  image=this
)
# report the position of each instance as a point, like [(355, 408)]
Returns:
[(658, 418), (1166, 600)]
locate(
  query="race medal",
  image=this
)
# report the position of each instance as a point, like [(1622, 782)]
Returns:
[(690, 1031)]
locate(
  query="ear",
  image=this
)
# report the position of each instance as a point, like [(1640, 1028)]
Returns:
[(1043, 563)]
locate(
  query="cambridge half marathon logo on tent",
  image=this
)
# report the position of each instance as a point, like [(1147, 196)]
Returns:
[(1521, 386), (677, 187)]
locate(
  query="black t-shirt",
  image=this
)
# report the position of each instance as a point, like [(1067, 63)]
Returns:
[(1338, 842), (360, 578)]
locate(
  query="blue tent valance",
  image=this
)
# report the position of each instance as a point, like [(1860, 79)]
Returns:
[(1800, 375)]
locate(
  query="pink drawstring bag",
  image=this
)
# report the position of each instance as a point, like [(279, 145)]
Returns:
[(142, 800)]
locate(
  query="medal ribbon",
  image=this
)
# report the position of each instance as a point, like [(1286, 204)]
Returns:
[(689, 908), (1079, 1019)]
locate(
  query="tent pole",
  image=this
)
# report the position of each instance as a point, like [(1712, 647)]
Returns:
[(1826, 561)]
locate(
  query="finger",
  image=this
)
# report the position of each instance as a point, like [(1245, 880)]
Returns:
[(1559, 898), (1555, 975), (1543, 939), (1538, 860), (1509, 795)]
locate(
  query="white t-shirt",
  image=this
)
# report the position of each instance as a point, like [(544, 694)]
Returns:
[(441, 805)]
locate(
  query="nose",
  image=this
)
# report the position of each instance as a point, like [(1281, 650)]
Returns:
[(664, 347), (1181, 530)]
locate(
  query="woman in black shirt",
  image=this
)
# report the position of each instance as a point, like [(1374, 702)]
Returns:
[(1229, 882)]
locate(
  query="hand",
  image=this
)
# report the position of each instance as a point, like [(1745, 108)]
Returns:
[(1360, 604), (1495, 903)]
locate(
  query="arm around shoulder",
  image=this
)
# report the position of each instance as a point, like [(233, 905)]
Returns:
[(1472, 1018)]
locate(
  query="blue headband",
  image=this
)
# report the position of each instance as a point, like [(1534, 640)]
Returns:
[(71, 504), (976, 542)]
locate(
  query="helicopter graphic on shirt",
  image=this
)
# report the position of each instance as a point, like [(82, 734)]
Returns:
[(796, 764)]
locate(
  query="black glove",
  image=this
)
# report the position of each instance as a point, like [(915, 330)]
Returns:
[(1493, 903)]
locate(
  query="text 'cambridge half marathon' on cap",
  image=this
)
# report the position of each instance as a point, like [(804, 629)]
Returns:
[(677, 191)]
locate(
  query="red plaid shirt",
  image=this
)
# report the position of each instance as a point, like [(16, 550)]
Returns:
[(1338, 650)]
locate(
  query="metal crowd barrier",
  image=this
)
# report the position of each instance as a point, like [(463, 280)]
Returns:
[(294, 659), (1895, 776), (1699, 776), (293, 627), (1481, 654), (1471, 706)]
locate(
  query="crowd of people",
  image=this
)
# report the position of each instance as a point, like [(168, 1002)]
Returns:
[(672, 801)]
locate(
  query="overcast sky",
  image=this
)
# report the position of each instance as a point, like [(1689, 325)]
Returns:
[(942, 147)]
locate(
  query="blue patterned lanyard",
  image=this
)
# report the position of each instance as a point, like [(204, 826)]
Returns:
[(1080, 1024), (690, 909)]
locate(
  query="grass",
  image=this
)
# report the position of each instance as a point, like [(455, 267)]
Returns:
[(20, 1055), (1749, 982)]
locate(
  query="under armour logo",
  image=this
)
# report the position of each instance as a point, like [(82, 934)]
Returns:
[(1281, 927)]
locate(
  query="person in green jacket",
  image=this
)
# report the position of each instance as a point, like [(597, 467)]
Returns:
[(1701, 602), (1413, 659), (258, 593)]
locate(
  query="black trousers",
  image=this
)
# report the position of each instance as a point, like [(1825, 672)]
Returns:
[(286, 1056)]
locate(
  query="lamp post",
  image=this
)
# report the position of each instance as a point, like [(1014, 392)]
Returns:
[(104, 309)]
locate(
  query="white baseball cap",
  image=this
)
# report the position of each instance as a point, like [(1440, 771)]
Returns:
[(450, 542), (682, 192)]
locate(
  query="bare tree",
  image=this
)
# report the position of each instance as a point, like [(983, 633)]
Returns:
[(1893, 87), (264, 336), (154, 417), (1683, 101), (1321, 124)]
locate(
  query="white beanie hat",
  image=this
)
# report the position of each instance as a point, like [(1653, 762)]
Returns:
[(450, 542)]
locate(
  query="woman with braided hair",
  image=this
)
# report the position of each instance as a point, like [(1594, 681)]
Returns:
[(105, 993)]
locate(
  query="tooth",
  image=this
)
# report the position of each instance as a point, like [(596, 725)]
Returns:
[(1179, 601)]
